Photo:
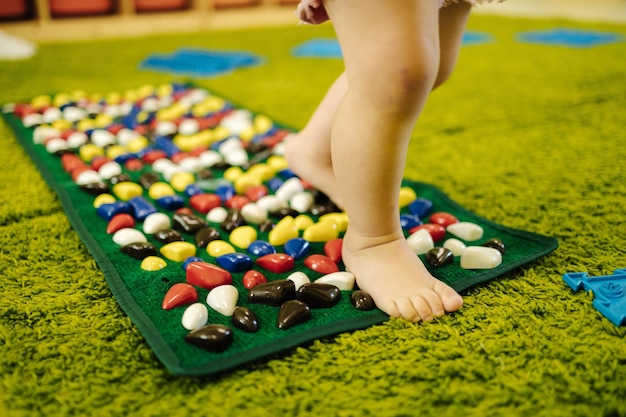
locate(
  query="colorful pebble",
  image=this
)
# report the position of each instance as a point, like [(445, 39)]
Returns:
[(207, 275), (299, 278), (156, 222), (466, 231), (293, 312), (343, 280), (284, 230), (195, 316), (120, 221), (234, 262), (218, 248), (178, 295), (128, 235), (480, 257), (253, 278), (243, 236), (223, 299), (178, 251), (276, 262), (321, 263), (153, 263)]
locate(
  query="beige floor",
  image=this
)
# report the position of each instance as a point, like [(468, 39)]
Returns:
[(612, 11)]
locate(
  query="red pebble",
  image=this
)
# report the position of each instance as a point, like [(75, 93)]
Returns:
[(179, 294), (71, 161), (204, 203), (115, 128), (442, 218), (276, 262), (176, 158), (437, 231), (133, 164), (152, 156), (253, 278), (207, 276), (98, 161), (185, 210), (332, 249), (79, 170), (198, 151), (120, 221), (237, 202), (255, 192), (321, 263)]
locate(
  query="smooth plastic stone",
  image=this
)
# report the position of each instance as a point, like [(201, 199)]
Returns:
[(206, 235), (217, 248), (225, 191), (253, 213), (319, 295), (160, 189), (439, 257), (245, 319), (153, 263), (148, 179), (496, 243), (299, 278), (232, 173), (333, 248), (123, 178), (217, 215), (284, 230), (321, 232), (182, 180), (127, 190), (321, 263), (466, 231), (223, 299), (256, 192), (409, 221), (276, 262), (455, 245), (155, 222), (191, 259), (237, 202), (178, 251), (442, 218), (289, 189), (245, 182), (128, 235), (253, 278), (188, 223), (303, 221), (420, 207), (120, 221), (87, 176), (273, 293), (297, 248), (260, 248), (243, 236), (110, 169), (233, 221), (323, 207), (139, 250), (103, 199), (95, 188), (207, 275), (168, 236), (178, 295), (340, 220), (480, 257), (171, 202), (437, 231), (234, 262), (362, 301), (266, 226), (420, 241), (193, 190), (213, 338), (292, 313), (343, 280), (204, 203), (301, 202), (141, 208), (406, 196), (271, 203)]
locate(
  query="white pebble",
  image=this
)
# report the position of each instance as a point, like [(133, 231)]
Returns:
[(299, 278), (156, 222), (127, 236), (302, 201), (421, 242), (56, 145), (88, 177), (191, 164), (77, 139), (124, 136), (195, 316), (236, 157), (103, 138), (455, 245), (480, 257), (289, 188), (271, 203), (210, 158), (188, 127), (33, 119), (253, 213), (162, 164), (342, 280), (52, 114), (223, 299), (74, 114), (466, 231), (165, 128), (110, 169), (217, 215), (43, 133)]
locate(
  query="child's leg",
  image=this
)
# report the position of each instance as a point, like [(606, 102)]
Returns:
[(391, 52)]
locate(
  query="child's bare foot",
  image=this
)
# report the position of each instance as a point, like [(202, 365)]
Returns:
[(311, 165), (397, 280)]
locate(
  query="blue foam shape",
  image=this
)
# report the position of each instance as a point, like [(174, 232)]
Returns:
[(609, 292), (200, 62), (570, 37), (329, 48)]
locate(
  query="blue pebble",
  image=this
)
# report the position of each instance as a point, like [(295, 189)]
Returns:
[(108, 210), (171, 202), (274, 184), (166, 144), (409, 221), (122, 159), (192, 190), (225, 192), (420, 207), (235, 262), (141, 208), (260, 248), (286, 174), (190, 260), (297, 248)]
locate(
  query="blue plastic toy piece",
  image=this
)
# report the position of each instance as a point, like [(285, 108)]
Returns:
[(609, 292)]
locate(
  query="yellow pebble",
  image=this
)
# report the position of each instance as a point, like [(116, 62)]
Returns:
[(303, 222), (407, 196), (232, 173), (40, 101), (220, 133), (182, 180), (243, 236), (113, 98), (137, 144), (284, 230), (153, 263), (340, 219), (127, 190), (89, 151), (103, 199), (263, 171), (321, 232), (103, 120), (217, 248), (262, 123), (205, 137), (214, 103), (247, 134), (115, 150), (63, 124), (188, 143), (160, 189), (278, 163), (61, 99), (178, 251), (145, 90), (85, 125), (165, 90), (246, 181)]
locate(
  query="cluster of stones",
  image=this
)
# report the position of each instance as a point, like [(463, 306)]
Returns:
[(216, 174)]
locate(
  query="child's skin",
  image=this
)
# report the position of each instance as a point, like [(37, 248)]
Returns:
[(354, 147)]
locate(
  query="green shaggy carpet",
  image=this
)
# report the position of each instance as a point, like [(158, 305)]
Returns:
[(529, 136)]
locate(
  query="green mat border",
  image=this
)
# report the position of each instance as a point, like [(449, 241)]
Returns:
[(155, 339)]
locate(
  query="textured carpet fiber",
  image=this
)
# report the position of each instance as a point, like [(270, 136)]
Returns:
[(529, 136)]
